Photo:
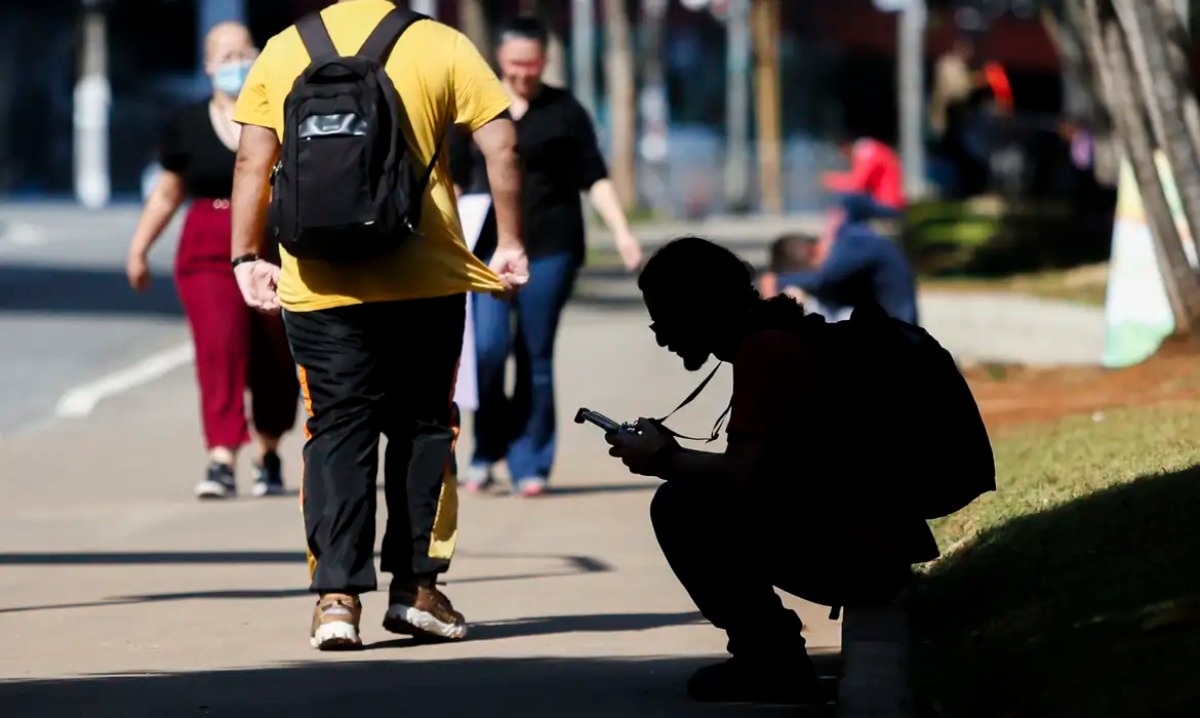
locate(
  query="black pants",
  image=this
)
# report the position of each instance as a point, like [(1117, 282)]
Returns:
[(730, 551), (381, 368)]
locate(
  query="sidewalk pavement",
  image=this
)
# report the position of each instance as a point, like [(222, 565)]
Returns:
[(120, 595)]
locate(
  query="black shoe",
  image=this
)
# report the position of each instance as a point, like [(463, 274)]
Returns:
[(268, 476), (218, 482), (782, 681)]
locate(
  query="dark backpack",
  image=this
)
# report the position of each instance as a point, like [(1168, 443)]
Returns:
[(345, 187), (936, 452)]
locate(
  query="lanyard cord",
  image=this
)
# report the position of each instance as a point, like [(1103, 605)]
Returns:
[(716, 430)]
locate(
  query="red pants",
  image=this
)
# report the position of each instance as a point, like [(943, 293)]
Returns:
[(237, 348)]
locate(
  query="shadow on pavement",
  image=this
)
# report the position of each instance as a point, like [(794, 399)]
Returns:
[(573, 565), (578, 490), (501, 687), (151, 557), (579, 564), (601, 623), (81, 290)]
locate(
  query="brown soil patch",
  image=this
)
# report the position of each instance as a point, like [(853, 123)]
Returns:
[(1012, 395)]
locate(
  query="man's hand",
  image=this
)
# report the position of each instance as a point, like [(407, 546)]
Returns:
[(630, 250), (512, 267), (638, 451), (258, 282)]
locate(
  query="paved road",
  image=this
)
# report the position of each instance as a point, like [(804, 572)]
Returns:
[(67, 316), (122, 596), (68, 319)]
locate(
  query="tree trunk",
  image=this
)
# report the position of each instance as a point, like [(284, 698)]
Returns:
[(1178, 44), (764, 21), (619, 77), (1084, 98), (1147, 47), (473, 20), (1183, 287)]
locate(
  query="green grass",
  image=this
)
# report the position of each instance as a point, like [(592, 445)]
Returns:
[(1074, 590)]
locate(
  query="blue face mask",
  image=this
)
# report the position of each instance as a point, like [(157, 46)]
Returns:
[(230, 77)]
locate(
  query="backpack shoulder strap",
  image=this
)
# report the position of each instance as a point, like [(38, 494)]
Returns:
[(315, 36), (378, 45)]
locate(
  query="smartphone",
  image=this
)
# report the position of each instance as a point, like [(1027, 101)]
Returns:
[(600, 420)]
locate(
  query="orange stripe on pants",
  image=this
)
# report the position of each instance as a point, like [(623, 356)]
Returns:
[(303, 375)]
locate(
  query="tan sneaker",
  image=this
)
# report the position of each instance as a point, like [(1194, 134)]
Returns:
[(335, 623), (424, 612)]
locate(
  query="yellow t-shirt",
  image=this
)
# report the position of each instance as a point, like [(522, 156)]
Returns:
[(441, 80)]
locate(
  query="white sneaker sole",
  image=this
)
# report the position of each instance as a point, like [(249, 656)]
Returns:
[(212, 490), (262, 489), (335, 636), (408, 620)]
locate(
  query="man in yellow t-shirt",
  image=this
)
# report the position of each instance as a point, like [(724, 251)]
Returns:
[(377, 343)]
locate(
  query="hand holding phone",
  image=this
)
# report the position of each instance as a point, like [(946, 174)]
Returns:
[(610, 426)]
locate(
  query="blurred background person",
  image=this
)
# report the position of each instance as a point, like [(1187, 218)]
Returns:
[(858, 267), (236, 347), (875, 172), (968, 98), (561, 158)]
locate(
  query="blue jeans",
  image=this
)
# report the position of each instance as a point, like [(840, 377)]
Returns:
[(521, 428)]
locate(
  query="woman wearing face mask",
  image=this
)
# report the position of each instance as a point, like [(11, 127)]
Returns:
[(236, 348)]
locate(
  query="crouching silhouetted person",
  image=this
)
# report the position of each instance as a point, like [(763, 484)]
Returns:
[(843, 439)]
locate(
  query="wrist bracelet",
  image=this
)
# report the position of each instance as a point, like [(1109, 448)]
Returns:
[(243, 259)]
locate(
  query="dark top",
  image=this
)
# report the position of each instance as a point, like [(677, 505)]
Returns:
[(784, 397), (191, 148), (862, 267), (560, 158)]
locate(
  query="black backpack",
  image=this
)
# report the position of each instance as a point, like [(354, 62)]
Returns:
[(345, 187), (936, 444)]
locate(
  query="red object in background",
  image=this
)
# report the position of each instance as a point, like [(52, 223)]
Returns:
[(997, 80), (874, 170)]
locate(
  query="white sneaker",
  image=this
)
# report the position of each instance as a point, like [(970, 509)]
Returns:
[(476, 477), (533, 486), (218, 482), (335, 623)]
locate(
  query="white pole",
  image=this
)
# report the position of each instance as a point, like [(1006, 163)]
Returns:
[(910, 85), (93, 97), (583, 50), (654, 145), (737, 104)]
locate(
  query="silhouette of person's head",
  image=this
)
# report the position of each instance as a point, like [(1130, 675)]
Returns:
[(699, 295)]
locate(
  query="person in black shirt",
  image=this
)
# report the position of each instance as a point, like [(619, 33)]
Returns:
[(561, 157), (235, 345)]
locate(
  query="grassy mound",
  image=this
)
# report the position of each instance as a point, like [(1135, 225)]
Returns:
[(1074, 590)]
